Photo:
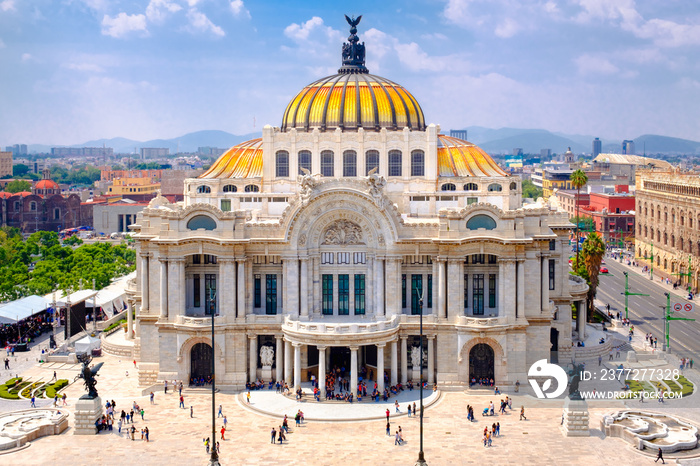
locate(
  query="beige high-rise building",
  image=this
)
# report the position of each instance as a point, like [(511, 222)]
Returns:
[(5, 163)]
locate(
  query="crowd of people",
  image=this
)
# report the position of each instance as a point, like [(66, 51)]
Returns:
[(24, 331)]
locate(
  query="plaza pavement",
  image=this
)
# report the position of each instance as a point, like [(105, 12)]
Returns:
[(449, 438)]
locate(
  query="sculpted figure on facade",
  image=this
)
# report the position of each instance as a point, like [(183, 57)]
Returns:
[(343, 232), (376, 187), (307, 183), (415, 357), (267, 355)]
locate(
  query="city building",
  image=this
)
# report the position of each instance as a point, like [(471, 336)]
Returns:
[(514, 161), (459, 134), (215, 151), (141, 189), (622, 167), (323, 242), (628, 147), (6, 163), (545, 153), (553, 179), (154, 152), (597, 147), (115, 215), (110, 175), (567, 200), (101, 152), (613, 215), (668, 223), (17, 149)]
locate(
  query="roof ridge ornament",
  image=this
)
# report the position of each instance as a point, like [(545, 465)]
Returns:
[(353, 52)]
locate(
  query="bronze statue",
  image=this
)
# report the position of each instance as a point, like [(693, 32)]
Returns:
[(574, 380), (353, 22), (88, 375), (353, 52)]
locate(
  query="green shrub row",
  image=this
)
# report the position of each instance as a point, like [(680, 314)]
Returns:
[(114, 324), (55, 387), (5, 389)]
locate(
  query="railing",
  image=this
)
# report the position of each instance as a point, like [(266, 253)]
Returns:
[(577, 284), (340, 328), (481, 321)]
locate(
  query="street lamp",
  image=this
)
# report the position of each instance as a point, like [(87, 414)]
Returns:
[(421, 456), (214, 459)]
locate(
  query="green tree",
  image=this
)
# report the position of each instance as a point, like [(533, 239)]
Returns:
[(588, 223), (588, 267), (530, 190), (578, 181), (17, 186), (20, 169)]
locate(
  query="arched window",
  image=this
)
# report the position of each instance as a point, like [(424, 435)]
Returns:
[(658, 235), (229, 188), (32, 206), (495, 187), (673, 241), (448, 187), (513, 186), (251, 188), (471, 187), (349, 163), (201, 222), (203, 190), (327, 163), (418, 163), (304, 160), (371, 161), (681, 245), (481, 221), (394, 163), (282, 164), (57, 213), (665, 238)]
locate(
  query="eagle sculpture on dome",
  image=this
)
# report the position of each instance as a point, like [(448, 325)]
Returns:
[(353, 22)]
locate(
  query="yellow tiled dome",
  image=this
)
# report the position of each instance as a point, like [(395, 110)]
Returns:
[(461, 158), (244, 160)]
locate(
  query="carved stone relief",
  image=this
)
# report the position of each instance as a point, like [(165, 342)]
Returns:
[(343, 232)]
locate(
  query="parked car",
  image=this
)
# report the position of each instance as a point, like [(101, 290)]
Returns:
[(603, 269)]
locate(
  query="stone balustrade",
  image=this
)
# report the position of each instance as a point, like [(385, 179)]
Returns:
[(340, 328), (577, 285), (481, 321)]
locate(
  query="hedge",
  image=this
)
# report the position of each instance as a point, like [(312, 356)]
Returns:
[(54, 388), (114, 324)]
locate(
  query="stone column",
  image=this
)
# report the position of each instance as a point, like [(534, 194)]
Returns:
[(297, 365), (520, 308), (173, 283), (441, 298), (394, 365), (369, 287), (353, 370), (144, 283), (404, 360), (581, 319), (509, 300), (380, 367), (431, 358), (253, 357), (241, 288), (392, 282), (287, 362), (379, 278), (250, 302), (224, 283), (278, 357), (455, 286), (545, 282), (182, 287), (233, 284), (304, 288), (501, 287), (316, 280), (322, 371), (129, 320), (164, 288)]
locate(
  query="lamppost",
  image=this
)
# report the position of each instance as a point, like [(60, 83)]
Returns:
[(628, 294), (421, 456), (214, 459)]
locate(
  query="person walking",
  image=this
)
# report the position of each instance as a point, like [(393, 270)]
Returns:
[(397, 440), (223, 431), (206, 445), (409, 410), (248, 397), (182, 402), (220, 413), (660, 456), (119, 426), (165, 387), (414, 408), (145, 431), (133, 432), (142, 413), (387, 414), (273, 435), (388, 428), (600, 360), (33, 402), (191, 412), (225, 421), (396, 405), (522, 413)]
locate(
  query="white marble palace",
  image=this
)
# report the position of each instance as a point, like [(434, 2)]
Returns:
[(321, 243)]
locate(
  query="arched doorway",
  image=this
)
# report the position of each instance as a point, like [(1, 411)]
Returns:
[(554, 348), (201, 363), (481, 361)]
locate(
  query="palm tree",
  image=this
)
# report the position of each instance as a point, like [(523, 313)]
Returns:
[(593, 252), (578, 181)]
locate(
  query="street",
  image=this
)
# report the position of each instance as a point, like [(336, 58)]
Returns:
[(647, 312)]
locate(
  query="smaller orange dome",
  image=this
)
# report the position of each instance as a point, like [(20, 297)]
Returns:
[(47, 184)]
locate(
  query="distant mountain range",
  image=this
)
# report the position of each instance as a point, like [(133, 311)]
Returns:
[(493, 141), (186, 143)]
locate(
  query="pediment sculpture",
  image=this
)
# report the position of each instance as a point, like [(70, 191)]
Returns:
[(343, 232)]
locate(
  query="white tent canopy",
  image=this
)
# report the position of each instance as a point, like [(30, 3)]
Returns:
[(22, 308), (87, 344)]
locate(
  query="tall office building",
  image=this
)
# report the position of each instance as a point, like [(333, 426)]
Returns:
[(597, 147), (5, 163), (628, 147), (459, 134)]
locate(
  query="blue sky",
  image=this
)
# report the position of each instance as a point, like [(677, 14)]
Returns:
[(74, 70)]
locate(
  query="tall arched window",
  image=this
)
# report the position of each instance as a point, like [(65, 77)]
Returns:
[(203, 189), (304, 160), (371, 161), (282, 164), (448, 187), (327, 163), (394, 163), (230, 188), (471, 187), (251, 188), (349, 163), (417, 163), (495, 187), (513, 186), (32, 206)]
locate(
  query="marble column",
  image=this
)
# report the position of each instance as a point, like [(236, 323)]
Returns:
[(233, 284), (224, 283), (353, 370), (241, 287), (173, 282), (292, 290), (441, 298), (163, 288), (304, 288), (520, 307), (316, 281), (144, 283), (369, 288), (392, 283), (581, 319), (253, 356), (501, 288), (545, 282), (322, 371), (379, 279), (297, 365), (248, 285), (182, 287), (394, 365), (278, 357), (404, 360), (455, 287), (431, 358), (130, 320), (380, 367), (288, 362)]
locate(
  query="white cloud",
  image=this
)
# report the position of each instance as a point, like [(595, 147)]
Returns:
[(2, 44), (591, 64), (89, 67), (508, 28), (239, 10), (301, 32), (200, 23), (7, 5), (158, 10), (192, 2), (123, 24), (26, 57), (434, 36), (669, 34), (551, 7), (98, 5)]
